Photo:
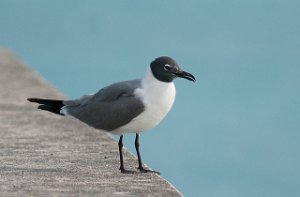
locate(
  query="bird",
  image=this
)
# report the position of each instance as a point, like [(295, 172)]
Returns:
[(131, 106)]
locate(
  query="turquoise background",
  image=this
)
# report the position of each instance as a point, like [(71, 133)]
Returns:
[(235, 132)]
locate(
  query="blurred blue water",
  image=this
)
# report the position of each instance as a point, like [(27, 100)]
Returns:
[(233, 133)]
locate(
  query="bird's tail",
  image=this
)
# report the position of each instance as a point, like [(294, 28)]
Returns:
[(50, 105)]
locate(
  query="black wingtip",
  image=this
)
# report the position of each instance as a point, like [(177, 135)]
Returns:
[(32, 99), (50, 105), (46, 101)]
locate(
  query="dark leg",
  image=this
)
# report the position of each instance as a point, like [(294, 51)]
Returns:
[(121, 156), (137, 147), (121, 153)]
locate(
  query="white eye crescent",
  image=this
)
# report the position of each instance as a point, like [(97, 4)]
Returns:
[(167, 67)]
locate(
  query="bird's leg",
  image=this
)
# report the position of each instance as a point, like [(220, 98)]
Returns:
[(121, 153), (121, 156), (137, 147)]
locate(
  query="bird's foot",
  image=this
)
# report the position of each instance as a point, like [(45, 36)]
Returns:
[(143, 170), (123, 170)]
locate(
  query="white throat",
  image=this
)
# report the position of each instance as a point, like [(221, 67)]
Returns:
[(155, 87), (158, 98)]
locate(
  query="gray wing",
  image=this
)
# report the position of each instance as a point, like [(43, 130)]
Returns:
[(108, 109)]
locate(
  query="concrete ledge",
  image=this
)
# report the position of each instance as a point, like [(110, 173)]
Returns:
[(46, 155)]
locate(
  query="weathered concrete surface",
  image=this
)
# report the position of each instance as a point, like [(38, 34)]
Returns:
[(46, 155)]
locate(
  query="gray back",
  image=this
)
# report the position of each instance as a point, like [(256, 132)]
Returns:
[(110, 108)]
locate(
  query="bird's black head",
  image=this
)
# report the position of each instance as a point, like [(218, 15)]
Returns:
[(166, 69)]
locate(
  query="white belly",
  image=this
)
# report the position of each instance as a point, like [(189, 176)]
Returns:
[(158, 98)]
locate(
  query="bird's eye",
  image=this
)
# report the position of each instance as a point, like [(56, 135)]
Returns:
[(167, 67)]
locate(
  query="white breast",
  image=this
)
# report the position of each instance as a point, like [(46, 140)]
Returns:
[(158, 98)]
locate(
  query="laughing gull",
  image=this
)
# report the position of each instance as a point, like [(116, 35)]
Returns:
[(125, 107)]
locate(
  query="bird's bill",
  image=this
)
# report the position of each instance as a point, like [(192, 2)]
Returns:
[(186, 75)]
